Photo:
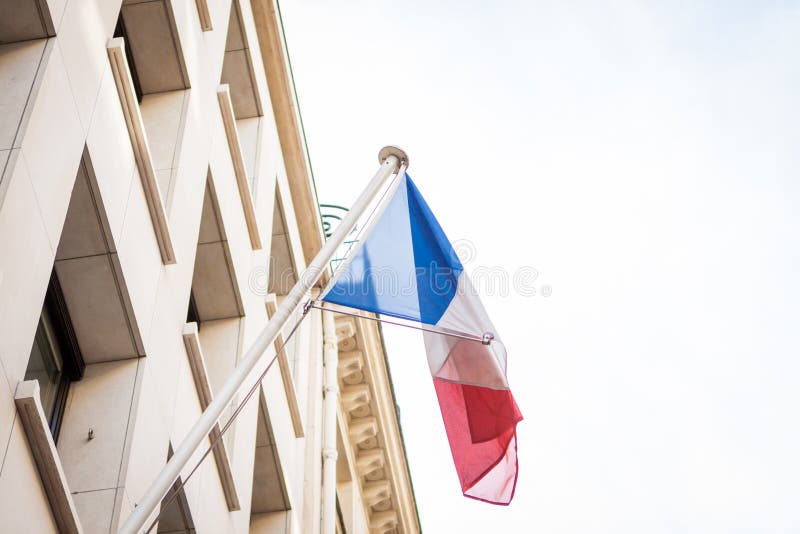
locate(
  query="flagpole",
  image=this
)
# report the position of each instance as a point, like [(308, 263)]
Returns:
[(391, 158)]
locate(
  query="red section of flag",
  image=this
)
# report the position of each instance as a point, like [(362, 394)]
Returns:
[(481, 427)]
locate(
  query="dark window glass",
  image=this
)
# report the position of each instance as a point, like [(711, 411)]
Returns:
[(55, 359), (191, 314), (120, 31), (46, 364)]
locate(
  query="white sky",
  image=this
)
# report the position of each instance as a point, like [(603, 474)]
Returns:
[(643, 158)]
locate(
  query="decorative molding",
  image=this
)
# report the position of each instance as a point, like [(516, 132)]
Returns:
[(377, 373), (271, 303), (204, 15), (239, 169), (141, 149), (363, 430), (195, 354), (370, 421), (345, 327), (369, 461), (288, 123), (45, 455), (356, 399), (376, 492), (351, 364), (383, 521), (347, 344)]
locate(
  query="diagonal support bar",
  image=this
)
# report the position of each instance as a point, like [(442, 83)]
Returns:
[(485, 338)]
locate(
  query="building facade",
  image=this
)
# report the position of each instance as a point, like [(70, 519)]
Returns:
[(156, 204)]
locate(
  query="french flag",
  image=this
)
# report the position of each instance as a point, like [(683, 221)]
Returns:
[(405, 267)]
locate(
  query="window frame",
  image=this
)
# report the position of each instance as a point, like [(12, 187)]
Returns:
[(121, 31), (72, 363), (192, 316)]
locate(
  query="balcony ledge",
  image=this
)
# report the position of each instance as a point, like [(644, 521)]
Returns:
[(45, 455), (192, 343), (141, 149)]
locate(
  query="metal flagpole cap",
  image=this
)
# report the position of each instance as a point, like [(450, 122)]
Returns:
[(393, 151)]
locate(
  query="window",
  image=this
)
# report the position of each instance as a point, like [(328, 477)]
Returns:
[(120, 31), (191, 314), (55, 357), (215, 290), (176, 518), (158, 72)]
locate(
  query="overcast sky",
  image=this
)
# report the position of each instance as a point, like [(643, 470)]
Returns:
[(643, 159)]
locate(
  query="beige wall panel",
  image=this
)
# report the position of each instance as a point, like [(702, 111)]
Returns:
[(248, 130), (4, 155), (166, 361), (8, 413), (19, 63), (186, 407), (204, 491), (189, 182), (111, 155), (155, 48), (95, 510), (220, 343), (214, 293), (234, 40), (203, 58), (232, 214), (25, 263), (243, 457), (52, 154), (95, 307), (101, 401), (57, 12), (85, 28), (287, 445), (188, 23), (210, 230), (162, 114), (236, 73), (147, 440), (140, 258), (255, 54), (164, 178), (291, 223), (82, 234), (22, 20), (23, 504), (122, 508)]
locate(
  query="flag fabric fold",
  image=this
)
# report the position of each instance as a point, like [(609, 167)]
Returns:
[(405, 267)]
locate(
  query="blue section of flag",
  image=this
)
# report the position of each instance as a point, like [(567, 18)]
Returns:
[(379, 278), (405, 267), (438, 267)]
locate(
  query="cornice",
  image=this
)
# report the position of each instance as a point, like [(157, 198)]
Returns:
[(373, 430)]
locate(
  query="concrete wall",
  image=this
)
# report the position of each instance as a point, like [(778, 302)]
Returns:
[(58, 96)]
